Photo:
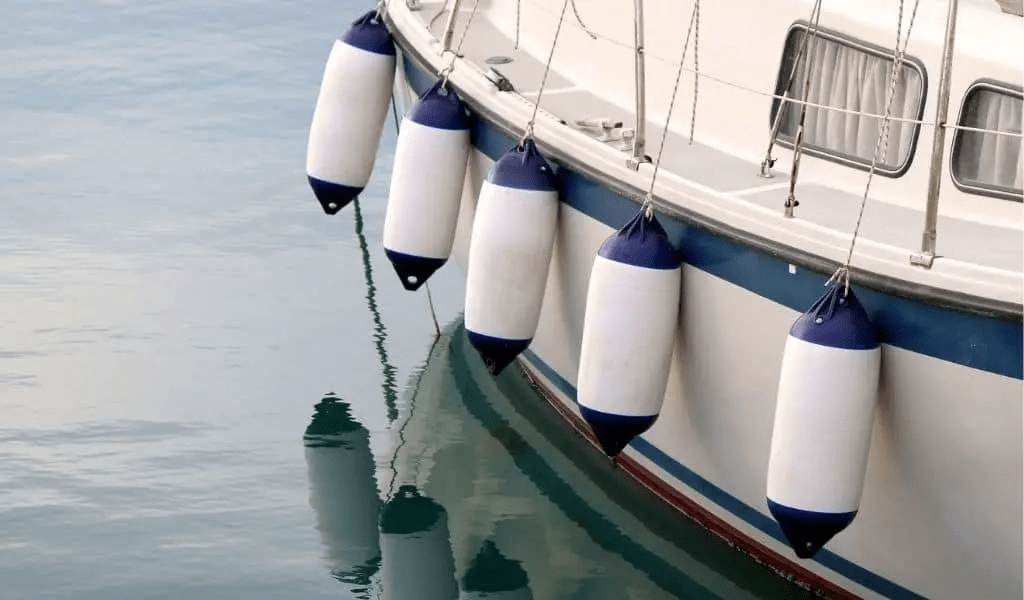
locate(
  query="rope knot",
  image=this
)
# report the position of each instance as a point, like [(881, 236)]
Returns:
[(841, 274), (527, 135), (447, 71), (648, 206)]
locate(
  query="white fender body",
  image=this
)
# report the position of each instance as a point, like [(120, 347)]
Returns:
[(828, 388), (509, 255), (426, 185), (629, 330), (350, 112)]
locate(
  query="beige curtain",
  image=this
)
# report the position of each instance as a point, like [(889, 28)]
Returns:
[(987, 159), (850, 78)]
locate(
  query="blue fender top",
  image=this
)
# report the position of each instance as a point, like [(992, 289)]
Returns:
[(369, 33), (837, 320), (440, 107), (643, 243), (523, 168)]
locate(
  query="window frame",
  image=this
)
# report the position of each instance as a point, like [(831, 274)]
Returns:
[(991, 191), (872, 49)]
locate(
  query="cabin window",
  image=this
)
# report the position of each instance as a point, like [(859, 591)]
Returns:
[(855, 76), (989, 163)]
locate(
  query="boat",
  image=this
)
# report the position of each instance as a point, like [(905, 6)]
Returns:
[(788, 149)]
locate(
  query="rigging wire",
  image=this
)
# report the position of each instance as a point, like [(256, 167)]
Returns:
[(430, 301), (575, 12), (798, 141), (437, 15), (579, 20), (458, 48), (648, 201), (790, 100), (519, 3), (851, 111), (528, 134), (433, 314), (768, 161), (696, 70), (882, 145)]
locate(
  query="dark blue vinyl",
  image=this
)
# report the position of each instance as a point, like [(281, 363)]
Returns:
[(369, 33), (641, 242), (614, 432), (837, 320), (332, 196), (440, 107), (413, 271), (807, 531), (523, 168), (496, 353)]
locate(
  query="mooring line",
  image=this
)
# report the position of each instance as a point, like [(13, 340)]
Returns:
[(380, 333)]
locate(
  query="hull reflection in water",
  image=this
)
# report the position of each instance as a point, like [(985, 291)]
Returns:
[(343, 494), (512, 505)]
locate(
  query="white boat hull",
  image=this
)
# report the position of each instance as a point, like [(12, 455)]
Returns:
[(941, 512), (943, 483)]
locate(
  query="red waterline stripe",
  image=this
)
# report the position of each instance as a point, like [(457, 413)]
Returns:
[(716, 525)]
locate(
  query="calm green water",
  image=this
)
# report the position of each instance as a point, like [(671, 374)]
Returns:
[(208, 389)]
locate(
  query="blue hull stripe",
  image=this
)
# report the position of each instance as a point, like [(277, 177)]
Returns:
[(737, 507), (979, 342)]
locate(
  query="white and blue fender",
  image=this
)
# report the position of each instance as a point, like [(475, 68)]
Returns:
[(417, 552), (509, 255), (350, 112), (426, 185), (343, 491), (629, 330), (823, 417)]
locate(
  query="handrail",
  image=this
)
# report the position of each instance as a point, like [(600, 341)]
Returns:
[(639, 134), (931, 212), (449, 27), (885, 283)]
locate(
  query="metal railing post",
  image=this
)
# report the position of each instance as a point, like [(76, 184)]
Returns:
[(449, 27), (931, 213), (639, 134)]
